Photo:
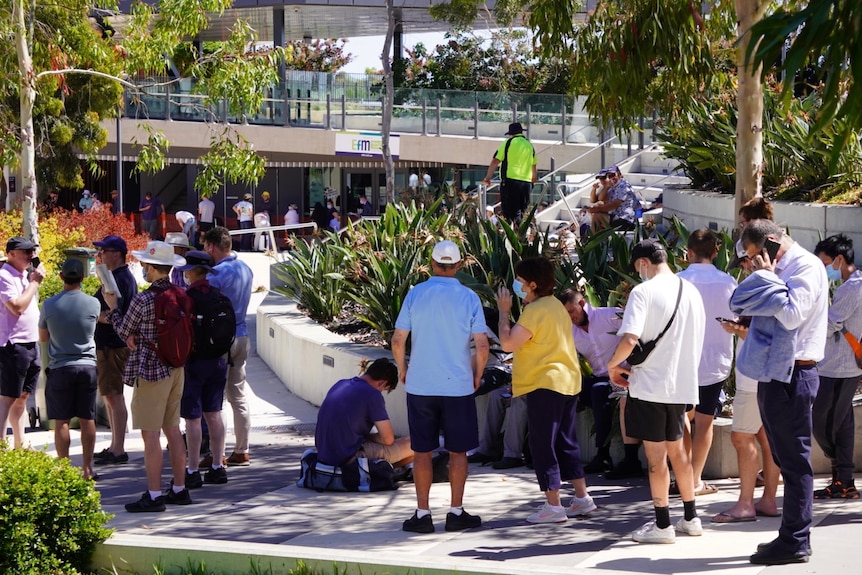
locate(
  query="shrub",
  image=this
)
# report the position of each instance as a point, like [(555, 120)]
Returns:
[(50, 516)]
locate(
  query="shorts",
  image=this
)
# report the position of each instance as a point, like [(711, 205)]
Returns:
[(657, 422), (203, 391), (156, 404), (110, 365), (391, 453), (455, 417), (19, 369), (70, 391), (709, 399), (746, 413)]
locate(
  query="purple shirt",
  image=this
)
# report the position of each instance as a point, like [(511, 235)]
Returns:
[(345, 418), (153, 208), (22, 328)]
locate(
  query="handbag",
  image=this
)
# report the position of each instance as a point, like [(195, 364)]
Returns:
[(318, 476), (358, 474), (643, 349)]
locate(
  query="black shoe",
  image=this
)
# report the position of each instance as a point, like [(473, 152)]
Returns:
[(599, 464), (626, 470), (101, 454), (767, 545), (181, 498), (111, 459), (479, 457), (462, 522), (146, 504), (777, 555), (508, 463), (194, 480), (216, 476), (416, 525)]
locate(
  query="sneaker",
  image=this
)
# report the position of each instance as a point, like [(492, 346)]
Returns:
[(837, 490), (101, 454), (580, 506), (237, 460), (626, 470), (650, 533), (691, 527), (462, 522), (181, 498), (547, 514), (216, 476), (111, 459), (599, 464), (417, 525), (146, 504), (194, 479)]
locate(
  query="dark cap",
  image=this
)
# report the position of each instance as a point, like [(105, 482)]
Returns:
[(613, 169), (740, 255), (198, 259), (515, 128), (602, 173), (72, 270), (19, 243), (112, 243), (645, 249)]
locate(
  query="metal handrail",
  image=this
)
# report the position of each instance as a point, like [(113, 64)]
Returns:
[(269, 231)]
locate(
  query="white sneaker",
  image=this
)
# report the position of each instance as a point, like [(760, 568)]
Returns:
[(547, 514), (580, 506), (650, 533), (693, 527)]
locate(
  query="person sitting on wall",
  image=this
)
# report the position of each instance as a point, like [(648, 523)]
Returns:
[(350, 410)]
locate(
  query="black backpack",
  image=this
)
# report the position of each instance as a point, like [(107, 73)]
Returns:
[(214, 323)]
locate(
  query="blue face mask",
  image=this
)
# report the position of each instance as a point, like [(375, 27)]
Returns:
[(518, 289), (833, 274)]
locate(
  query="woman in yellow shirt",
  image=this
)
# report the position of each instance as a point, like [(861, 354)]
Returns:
[(547, 372)]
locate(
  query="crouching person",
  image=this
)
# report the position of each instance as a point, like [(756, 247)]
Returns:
[(351, 409)]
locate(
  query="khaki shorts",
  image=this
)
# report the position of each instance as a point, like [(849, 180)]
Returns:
[(110, 364), (746, 412), (391, 453), (156, 404)]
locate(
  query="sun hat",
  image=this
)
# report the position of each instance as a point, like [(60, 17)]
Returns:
[(178, 239), (514, 128), (160, 254)]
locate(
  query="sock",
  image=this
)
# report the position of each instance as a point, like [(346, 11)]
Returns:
[(177, 488), (189, 470), (456, 510), (155, 494), (420, 513), (662, 517), (689, 509), (631, 450)]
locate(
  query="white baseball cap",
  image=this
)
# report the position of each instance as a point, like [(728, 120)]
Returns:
[(446, 252)]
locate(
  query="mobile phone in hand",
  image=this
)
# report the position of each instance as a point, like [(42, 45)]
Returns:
[(725, 320), (34, 263), (772, 248)]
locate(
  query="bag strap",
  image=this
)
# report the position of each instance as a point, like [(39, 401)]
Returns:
[(504, 165), (854, 344), (673, 316)]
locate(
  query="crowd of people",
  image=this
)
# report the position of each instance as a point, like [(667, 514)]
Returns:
[(104, 343)]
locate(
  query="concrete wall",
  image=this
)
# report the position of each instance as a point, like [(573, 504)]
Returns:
[(808, 223)]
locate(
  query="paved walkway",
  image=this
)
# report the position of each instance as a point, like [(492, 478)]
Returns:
[(261, 512)]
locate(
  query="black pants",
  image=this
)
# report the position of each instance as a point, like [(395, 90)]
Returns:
[(514, 198)]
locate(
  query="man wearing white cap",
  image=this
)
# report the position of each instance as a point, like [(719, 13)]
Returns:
[(443, 316), (158, 388)]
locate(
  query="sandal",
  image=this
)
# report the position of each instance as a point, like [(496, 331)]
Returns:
[(706, 489)]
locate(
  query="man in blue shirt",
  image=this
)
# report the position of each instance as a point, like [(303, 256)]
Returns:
[(353, 407), (443, 317), (234, 280)]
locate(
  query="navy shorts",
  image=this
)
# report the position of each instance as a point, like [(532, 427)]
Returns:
[(455, 417), (71, 391), (203, 391), (656, 422), (19, 368), (709, 399)]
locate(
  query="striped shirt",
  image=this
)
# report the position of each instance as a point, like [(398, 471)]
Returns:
[(139, 320)]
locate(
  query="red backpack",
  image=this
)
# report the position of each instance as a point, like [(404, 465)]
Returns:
[(174, 332)]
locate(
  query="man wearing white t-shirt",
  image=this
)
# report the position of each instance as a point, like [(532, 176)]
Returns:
[(715, 288), (663, 384)]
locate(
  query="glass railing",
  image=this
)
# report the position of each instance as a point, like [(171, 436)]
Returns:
[(354, 102)]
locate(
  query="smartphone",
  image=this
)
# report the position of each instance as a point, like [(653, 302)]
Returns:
[(772, 248), (725, 320), (34, 263)]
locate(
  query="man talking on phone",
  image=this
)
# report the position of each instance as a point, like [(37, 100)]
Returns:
[(787, 298)]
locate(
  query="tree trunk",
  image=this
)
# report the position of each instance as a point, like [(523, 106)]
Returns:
[(749, 126), (27, 87), (388, 103)]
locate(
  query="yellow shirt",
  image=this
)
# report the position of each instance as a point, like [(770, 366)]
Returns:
[(548, 360)]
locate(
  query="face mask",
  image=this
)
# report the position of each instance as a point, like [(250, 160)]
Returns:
[(833, 274), (643, 274), (518, 289), (328, 205)]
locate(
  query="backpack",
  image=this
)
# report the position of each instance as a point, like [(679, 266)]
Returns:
[(173, 321), (214, 323)]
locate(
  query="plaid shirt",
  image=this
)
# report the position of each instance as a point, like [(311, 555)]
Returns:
[(139, 320)]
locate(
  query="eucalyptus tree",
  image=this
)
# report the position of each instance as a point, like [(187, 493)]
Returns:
[(60, 55)]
